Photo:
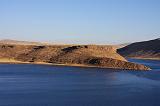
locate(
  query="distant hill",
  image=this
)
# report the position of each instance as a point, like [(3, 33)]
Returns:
[(16, 42), (122, 45), (146, 49)]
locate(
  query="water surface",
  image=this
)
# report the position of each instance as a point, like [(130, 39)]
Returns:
[(42, 85)]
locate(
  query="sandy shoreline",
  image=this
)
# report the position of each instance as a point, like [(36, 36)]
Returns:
[(12, 61), (144, 58)]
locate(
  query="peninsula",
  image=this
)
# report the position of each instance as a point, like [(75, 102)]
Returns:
[(103, 56)]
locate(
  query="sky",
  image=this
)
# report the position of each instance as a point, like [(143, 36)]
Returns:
[(80, 21)]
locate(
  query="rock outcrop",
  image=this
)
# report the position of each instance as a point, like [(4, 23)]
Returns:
[(85, 55)]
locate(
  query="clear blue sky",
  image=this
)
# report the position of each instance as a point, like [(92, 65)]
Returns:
[(80, 21)]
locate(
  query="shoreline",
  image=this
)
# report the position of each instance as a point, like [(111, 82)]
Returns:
[(13, 61), (143, 58)]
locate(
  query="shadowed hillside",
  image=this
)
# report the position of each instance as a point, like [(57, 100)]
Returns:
[(147, 49), (85, 55)]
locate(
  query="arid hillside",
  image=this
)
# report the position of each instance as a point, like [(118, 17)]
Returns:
[(87, 55), (147, 50)]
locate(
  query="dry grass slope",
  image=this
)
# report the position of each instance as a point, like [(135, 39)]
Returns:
[(88, 55)]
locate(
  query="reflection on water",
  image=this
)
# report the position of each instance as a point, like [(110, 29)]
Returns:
[(40, 85)]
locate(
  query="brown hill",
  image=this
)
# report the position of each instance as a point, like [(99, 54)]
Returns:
[(84, 55), (147, 49)]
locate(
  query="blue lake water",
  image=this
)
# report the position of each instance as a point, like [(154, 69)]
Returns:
[(42, 85)]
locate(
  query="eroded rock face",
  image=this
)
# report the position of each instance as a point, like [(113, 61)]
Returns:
[(88, 55)]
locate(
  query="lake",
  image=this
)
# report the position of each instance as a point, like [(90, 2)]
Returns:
[(44, 85)]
